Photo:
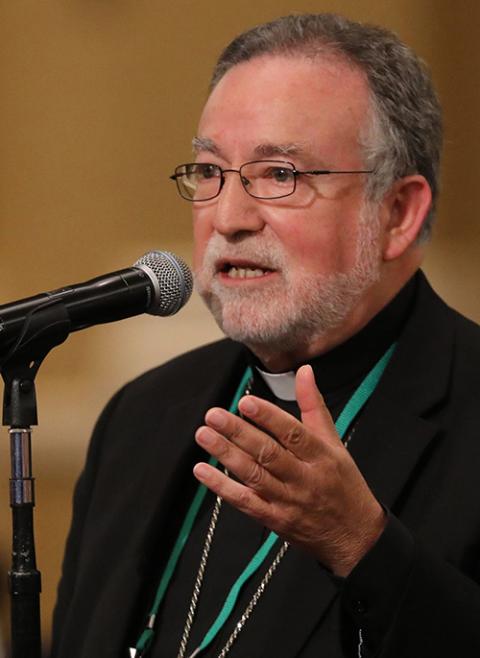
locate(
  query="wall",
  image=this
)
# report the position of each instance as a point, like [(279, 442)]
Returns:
[(99, 102)]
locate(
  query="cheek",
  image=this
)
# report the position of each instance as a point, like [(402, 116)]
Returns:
[(198, 250), (201, 235), (321, 250), (306, 245)]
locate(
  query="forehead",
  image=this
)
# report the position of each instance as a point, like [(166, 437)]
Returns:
[(294, 102)]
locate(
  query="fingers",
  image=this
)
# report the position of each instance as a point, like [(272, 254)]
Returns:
[(252, 441), (234, 493), (241, 464), (285, 429), (308, 439)]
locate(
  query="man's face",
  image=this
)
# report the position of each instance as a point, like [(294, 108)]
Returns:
[(286, 272)]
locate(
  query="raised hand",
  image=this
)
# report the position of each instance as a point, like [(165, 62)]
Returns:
[(296, 478)]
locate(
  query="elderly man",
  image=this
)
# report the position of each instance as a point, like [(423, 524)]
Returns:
[(313, 192)]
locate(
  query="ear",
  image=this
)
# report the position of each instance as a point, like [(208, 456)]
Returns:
[(406, 206)]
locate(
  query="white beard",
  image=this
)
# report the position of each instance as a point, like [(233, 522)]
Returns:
[(295, 308)]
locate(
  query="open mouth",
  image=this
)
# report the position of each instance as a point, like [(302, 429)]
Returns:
[(242, 270)]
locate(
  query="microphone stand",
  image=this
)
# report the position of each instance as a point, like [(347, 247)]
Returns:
[(45, 327)]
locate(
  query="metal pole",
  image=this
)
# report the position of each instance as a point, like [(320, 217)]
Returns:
[(24, 578)]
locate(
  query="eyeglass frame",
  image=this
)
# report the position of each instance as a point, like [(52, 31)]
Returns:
[(296, 172)]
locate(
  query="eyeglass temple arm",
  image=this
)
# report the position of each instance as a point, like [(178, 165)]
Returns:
[(323, 172)]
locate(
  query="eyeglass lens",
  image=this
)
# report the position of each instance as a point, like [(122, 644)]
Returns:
[(266, 179)]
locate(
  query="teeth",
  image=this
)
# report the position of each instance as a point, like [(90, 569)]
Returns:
[(245, 272)]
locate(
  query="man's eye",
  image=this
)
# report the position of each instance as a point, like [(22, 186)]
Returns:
[(207, 171), (279, 174)]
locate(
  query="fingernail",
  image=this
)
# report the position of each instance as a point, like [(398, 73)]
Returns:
[(201, 471), (248, 406), (306, 371), (216, 418), (306, 368), (204, 436)]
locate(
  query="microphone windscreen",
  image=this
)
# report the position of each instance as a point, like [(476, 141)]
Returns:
[(172, 280)]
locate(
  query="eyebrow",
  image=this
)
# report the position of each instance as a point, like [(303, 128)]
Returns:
[(205, 144), (268, 149), (265, 150)]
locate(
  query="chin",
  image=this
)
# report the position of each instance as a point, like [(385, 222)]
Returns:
[(276, 322), (287, 316), (247, 320)]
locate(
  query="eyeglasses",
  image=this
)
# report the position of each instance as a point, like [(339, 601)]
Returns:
[(261, 179)]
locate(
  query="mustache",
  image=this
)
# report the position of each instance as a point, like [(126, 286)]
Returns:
[(262, 251)]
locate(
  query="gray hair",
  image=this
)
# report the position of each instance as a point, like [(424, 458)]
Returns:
[(404, 135)]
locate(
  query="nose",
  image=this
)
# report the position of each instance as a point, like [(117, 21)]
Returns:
[(236, 211)]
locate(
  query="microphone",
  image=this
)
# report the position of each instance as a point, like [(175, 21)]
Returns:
[(159, 283)]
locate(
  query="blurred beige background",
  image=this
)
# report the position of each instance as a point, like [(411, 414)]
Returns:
[(99, 100)]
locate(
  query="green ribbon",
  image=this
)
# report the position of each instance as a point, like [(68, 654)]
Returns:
[(345, 419)]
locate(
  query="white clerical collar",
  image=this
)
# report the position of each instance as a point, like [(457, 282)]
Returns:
[(281, 384)]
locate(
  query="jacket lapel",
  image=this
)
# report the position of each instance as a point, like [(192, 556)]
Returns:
[(392, 434), (401, 420)]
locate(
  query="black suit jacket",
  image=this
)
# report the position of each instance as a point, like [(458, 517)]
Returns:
[(418, 445)]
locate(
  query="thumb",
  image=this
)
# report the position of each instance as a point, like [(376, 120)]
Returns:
[(315, 415)]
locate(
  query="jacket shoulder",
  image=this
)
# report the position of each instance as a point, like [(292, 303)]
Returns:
[(437, 316), (187, 374), (466, 350)]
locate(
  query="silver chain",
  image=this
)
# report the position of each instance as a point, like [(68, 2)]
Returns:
[(254, 600), (199, 579), (198, 585)]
